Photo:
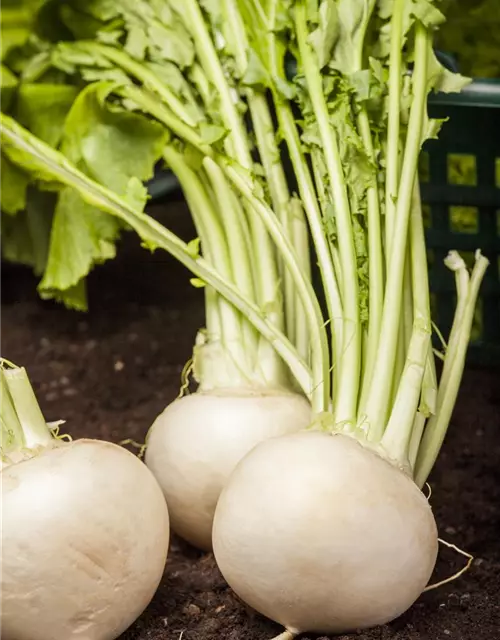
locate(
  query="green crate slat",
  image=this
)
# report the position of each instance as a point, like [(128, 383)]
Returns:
[(473, 131), (489, 289), (487, 196), (446, 239), (486, 176), (480, 93)]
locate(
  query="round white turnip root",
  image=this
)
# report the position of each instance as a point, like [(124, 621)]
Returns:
[(323, 535), (194, 445), (85, 536)]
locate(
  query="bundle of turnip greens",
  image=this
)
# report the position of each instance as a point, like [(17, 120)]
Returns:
[(130, 82), (100, 91)]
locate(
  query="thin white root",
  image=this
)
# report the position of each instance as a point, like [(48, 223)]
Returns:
[(137, 445), (54, 428), (186, 372), (286, 635), (430, 491), (458, 573)]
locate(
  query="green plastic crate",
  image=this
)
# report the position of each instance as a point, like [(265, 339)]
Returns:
[(460, 185)]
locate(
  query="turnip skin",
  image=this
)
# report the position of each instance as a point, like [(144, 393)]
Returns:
[(85, 540), (195, 444), (322, 535)]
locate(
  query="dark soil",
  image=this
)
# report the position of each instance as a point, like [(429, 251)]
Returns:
[(111, 371)]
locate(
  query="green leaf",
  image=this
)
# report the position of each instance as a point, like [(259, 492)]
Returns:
[(136, 194), (193, 247), (114, 145), (48, 25), (211, 133), (114, 76), (171, 43), (17, 17), (312, 11), (17, 154), (361, 83), (284, 88), (427, 13), (256, 74), (385, 8), (42, 108), (440, 79), (70, 57), (14, 182), (82, 25), (17, 245), (326, 35), (137, 42), (149, 246), (9, 83), (153, 27), (25, 237), (74, 298), (117, 148), (431, 128), (103, 10), (185, 90), (110, 36), (353, 20), (171, 75), (13, 38), (214, 10), (40, 211), (81, 237), (198, 283)]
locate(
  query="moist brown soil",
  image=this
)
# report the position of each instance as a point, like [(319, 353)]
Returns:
[(111, 371)]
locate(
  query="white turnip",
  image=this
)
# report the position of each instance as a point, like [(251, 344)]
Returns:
[(321, 534), (85, 531), (194, 445)]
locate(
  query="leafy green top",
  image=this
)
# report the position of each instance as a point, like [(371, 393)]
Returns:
[(208, 87)]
